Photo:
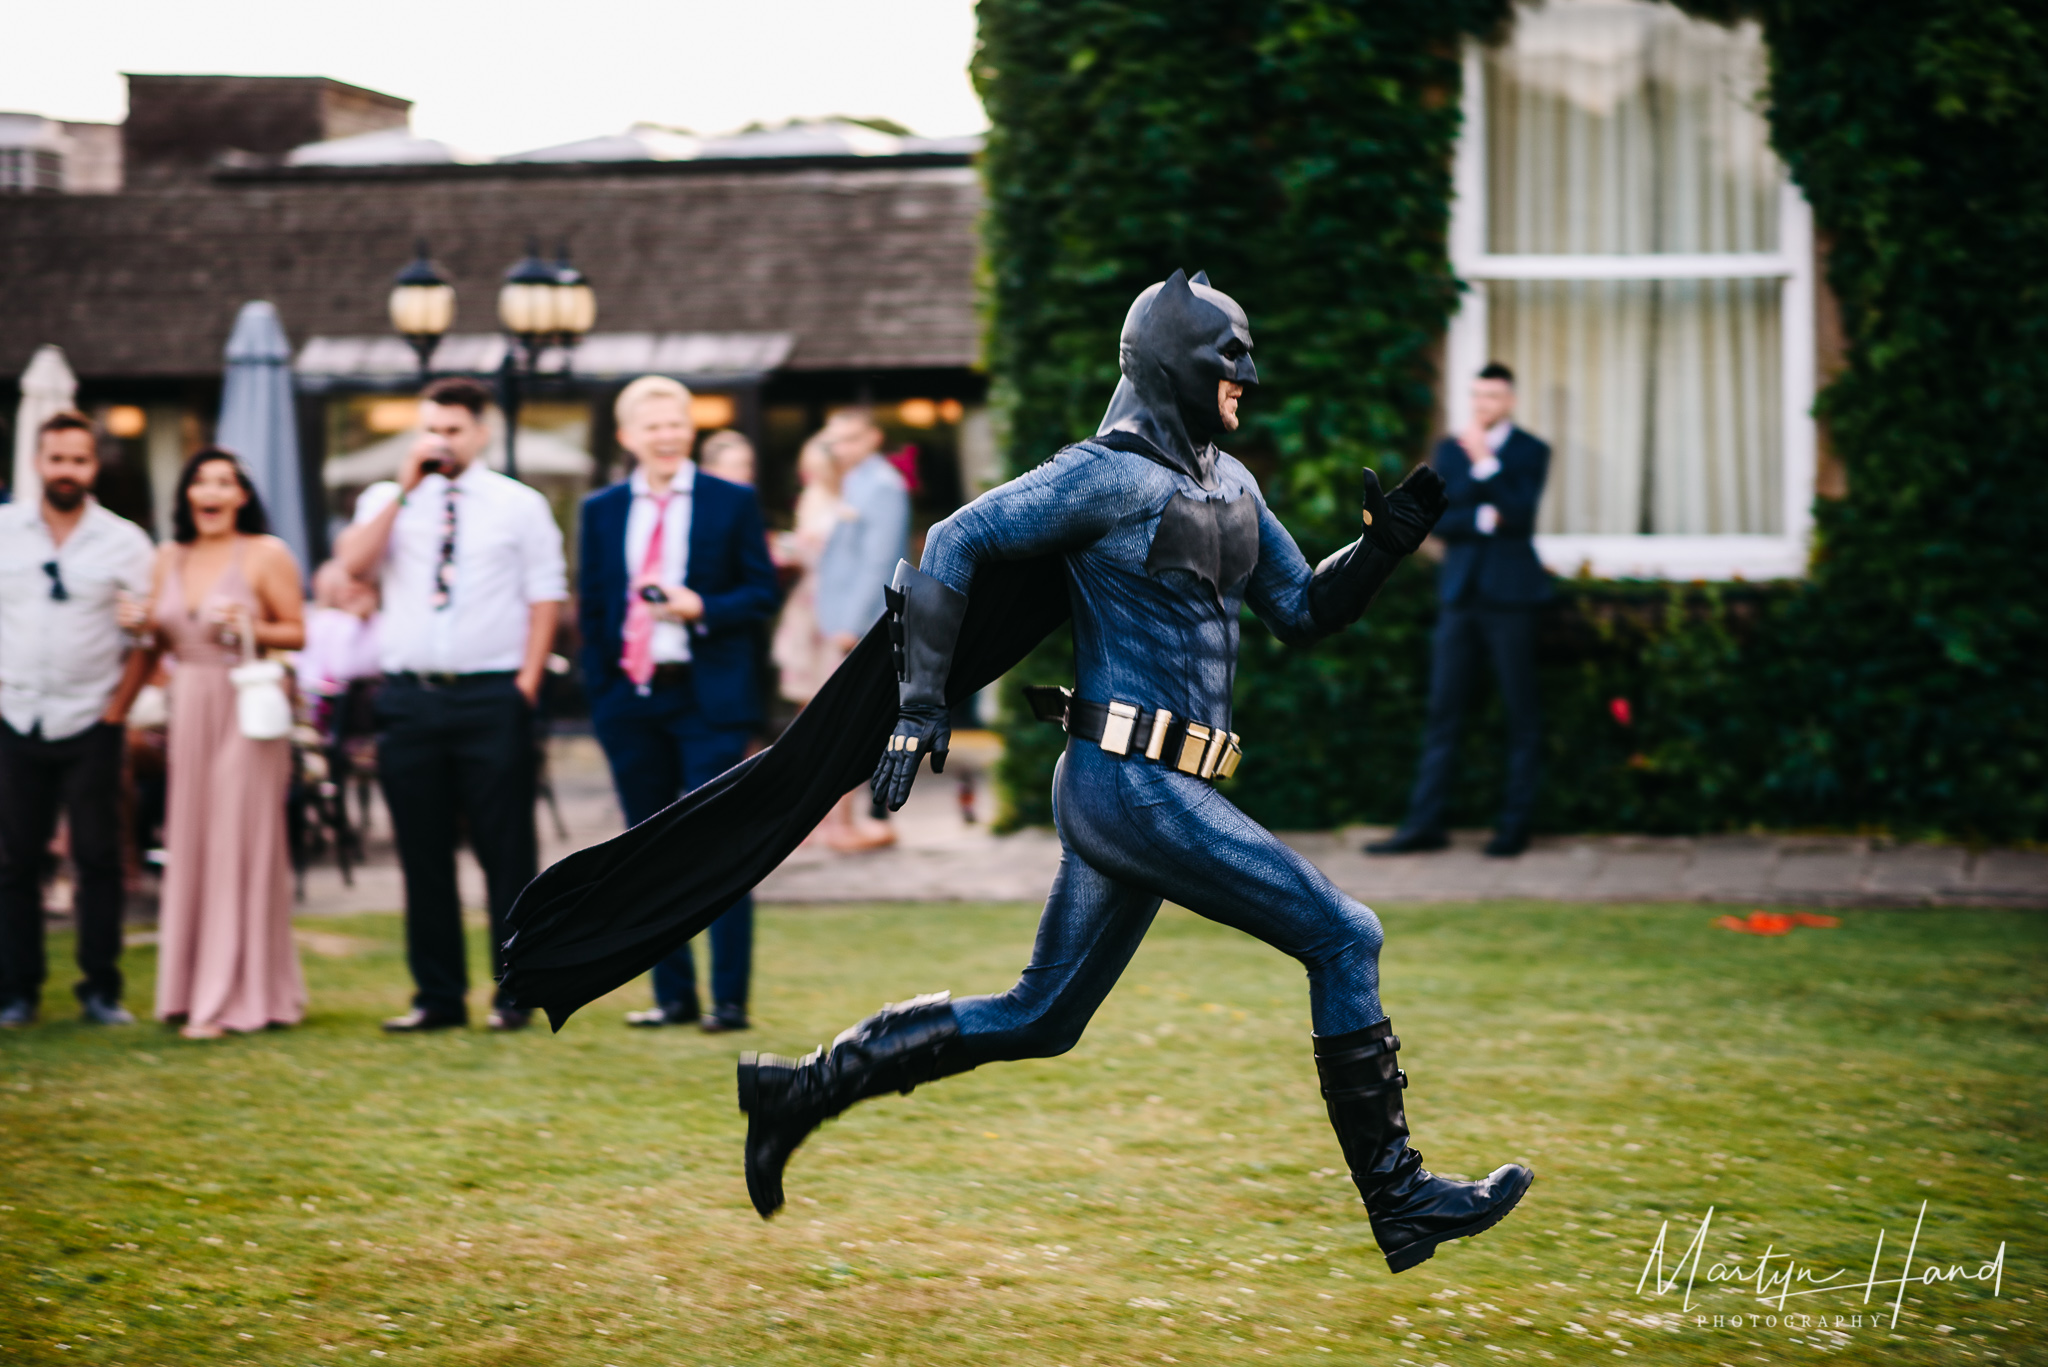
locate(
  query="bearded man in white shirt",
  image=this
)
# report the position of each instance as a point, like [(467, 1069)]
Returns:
[(68, 674), (1490, 585), (473, 580)]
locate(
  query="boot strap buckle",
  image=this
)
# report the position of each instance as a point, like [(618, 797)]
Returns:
[(1370, 1049), (1399, 1082)]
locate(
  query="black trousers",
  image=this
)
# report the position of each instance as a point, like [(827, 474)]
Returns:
[(454, 759), (1508, 635), (80, 774)]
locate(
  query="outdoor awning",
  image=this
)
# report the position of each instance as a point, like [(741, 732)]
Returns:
[(697, 358)]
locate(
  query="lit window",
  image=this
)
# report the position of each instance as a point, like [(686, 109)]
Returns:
[(1640, 260)]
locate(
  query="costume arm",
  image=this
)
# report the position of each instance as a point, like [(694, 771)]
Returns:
[(1278, 591), (754, 597), (1344, 585), (1067, 504)]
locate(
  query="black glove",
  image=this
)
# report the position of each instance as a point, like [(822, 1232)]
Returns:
[(924, 623), (1395, 524), (1398, 522)]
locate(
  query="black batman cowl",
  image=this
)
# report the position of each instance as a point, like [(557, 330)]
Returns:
[(1181, 338)]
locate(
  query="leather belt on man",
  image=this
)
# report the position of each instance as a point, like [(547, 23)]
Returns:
[(443, 679), (1120, 728), (672, 675)]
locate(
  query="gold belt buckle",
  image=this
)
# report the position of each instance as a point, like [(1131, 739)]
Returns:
[(1232, 753), (1192, 748), (1116, 731)]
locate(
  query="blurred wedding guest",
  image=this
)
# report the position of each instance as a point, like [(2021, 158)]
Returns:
[(674, 581), (1490, 584), (470, 568), (871, 536), (728, 455), (804, 659), (68, 674), (341, 633), (225, 590)]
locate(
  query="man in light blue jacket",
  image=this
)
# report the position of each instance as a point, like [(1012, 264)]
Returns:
[(873, 533)]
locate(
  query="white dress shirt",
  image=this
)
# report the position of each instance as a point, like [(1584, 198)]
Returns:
[(61, 661), (1488, 516), (508, 556), (671, 639)]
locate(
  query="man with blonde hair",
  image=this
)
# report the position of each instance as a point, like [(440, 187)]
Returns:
[(675, 581)]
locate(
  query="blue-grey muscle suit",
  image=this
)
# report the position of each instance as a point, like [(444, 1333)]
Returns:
[(1133, 832)]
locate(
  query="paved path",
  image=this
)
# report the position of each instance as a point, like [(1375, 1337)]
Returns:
[(941, 858)]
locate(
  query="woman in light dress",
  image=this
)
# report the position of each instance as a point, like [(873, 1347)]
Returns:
[(224, 590), (805, 656)]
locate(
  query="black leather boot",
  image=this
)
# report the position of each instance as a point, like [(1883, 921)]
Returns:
[(1412, 1209), (894, 1050)]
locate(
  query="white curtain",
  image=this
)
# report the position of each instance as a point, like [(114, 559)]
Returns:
[(1620, 129)]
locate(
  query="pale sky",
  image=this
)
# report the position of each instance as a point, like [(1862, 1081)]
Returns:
[(492, 79)]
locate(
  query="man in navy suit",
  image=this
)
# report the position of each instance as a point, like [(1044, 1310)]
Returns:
[(1490, 585), (675, 578)]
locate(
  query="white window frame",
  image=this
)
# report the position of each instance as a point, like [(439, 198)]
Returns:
[(1673, 557)]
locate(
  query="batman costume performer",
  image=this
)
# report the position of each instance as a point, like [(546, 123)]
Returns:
[(1152, 540)]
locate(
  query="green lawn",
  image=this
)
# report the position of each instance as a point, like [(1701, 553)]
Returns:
[(1165, 1193)]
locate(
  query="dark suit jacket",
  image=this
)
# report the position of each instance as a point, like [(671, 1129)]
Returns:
[(729, 568), (1499, 569)]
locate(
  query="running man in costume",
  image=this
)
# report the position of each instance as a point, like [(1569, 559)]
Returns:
[(1164, 539)]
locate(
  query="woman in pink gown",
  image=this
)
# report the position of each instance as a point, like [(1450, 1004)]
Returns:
[(225, 959)]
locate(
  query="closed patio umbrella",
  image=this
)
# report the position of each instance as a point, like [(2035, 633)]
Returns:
[(47, 387), (259, 423)]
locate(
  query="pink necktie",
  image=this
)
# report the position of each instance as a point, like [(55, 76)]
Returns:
[(638, 658)]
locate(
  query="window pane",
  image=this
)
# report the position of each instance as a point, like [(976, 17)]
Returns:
[(1660, 400), (1626, 128)]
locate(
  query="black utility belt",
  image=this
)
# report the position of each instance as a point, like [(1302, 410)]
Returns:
[(1121, 728)]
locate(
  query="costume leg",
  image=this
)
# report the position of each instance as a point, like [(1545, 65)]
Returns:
[(1149, 827), (1157, 828), (1453, 658), (1090, 928)]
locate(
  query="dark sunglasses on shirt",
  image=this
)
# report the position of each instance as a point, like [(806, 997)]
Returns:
[(58, 593)]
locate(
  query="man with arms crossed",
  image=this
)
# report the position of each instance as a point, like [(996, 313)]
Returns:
[(67, 676), (473, 579), (1491, 584)]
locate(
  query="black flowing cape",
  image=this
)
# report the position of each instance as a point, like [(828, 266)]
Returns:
[(605, 915)]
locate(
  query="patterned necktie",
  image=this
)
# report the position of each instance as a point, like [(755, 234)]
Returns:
[(444, 572), (638, 658)]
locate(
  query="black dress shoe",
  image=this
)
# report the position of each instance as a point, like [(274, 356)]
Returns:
[(506, 1018), (420, 1019), (724, 1017), (1506, 844), (1410, 842), (675, 1013), (103, 1011)]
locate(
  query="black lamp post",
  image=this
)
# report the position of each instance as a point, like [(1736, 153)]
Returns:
[(539, 305), (422, 306)]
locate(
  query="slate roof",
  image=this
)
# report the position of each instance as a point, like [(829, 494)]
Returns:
[(866, 262)]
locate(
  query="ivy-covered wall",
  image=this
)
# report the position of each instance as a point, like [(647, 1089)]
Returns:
[(1300, 152)]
